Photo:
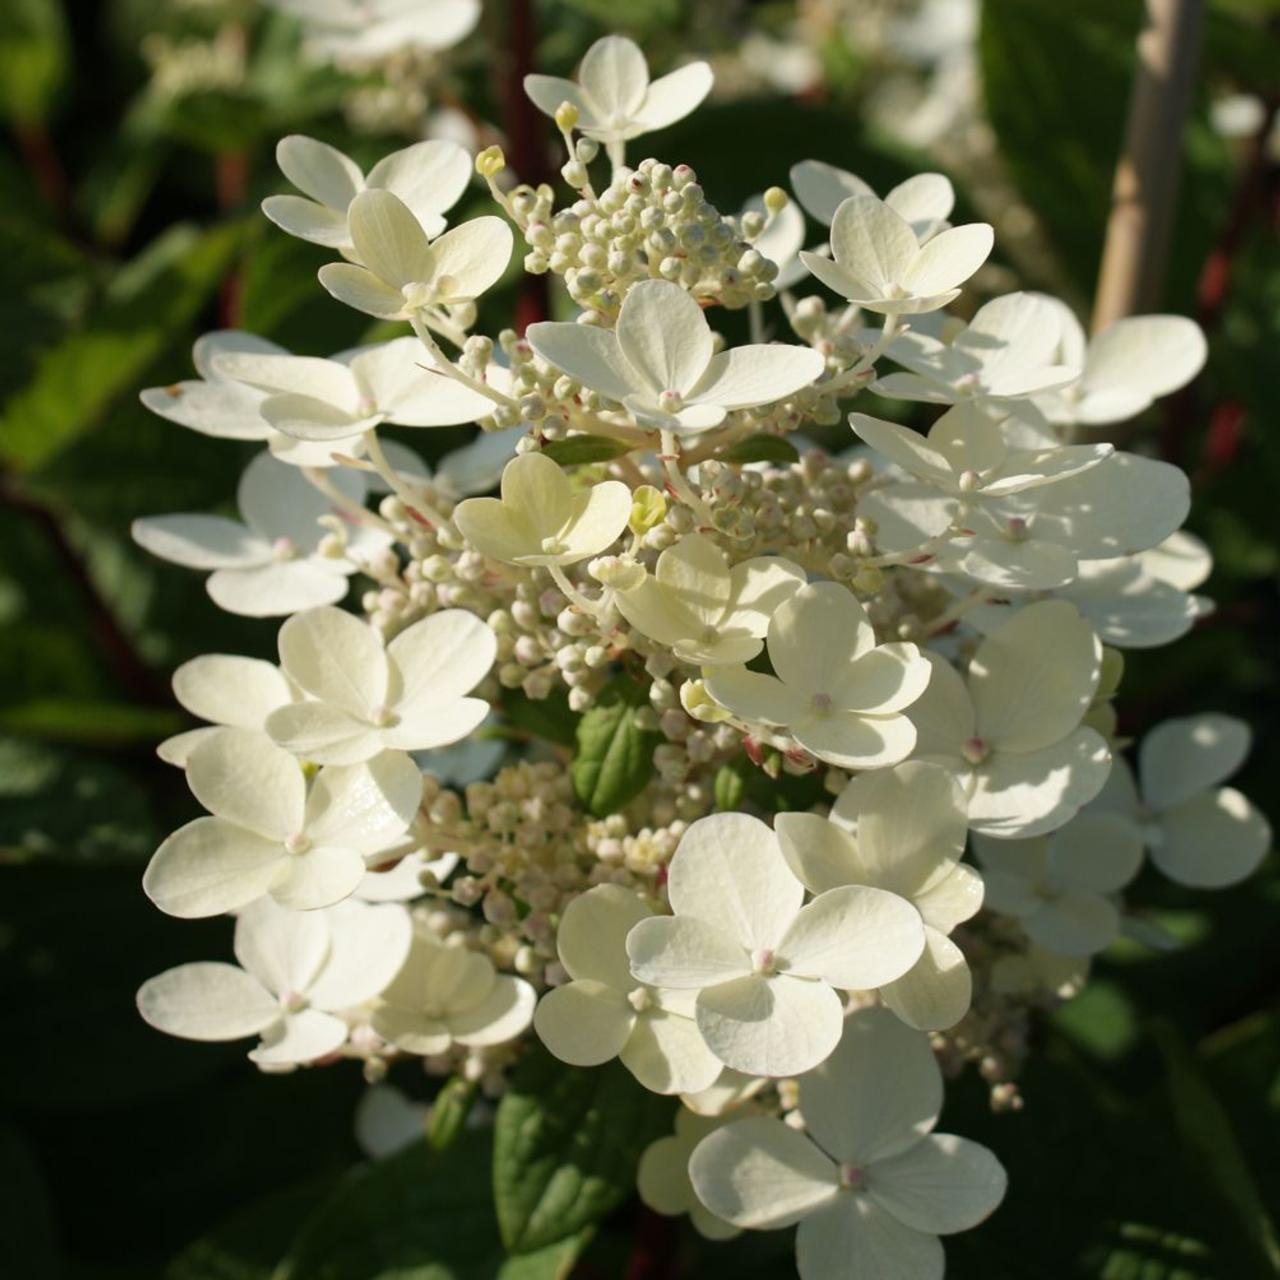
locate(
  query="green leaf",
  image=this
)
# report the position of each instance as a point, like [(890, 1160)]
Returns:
[(449, 1112), (730, 787), (566, 1146), (549, 717), (34, 58), (250, 1244), (418, 1215), (578, 450), (145, 309), (87, 721), (614, 757), (760, 448), (1214, 1150)]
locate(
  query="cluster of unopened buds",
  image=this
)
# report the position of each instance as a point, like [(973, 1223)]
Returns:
[(927, 628)]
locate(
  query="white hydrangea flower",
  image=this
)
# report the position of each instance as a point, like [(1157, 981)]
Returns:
[(924, 201), (870, 1183), (704, 611), (365, 698), (216, 405), (765, 968), (328, 400), (1128, 607), (966, 455), (1011, 730), (1182, 560), (900, 829), (614, 97), (605, 1013), (227, 691), (398, 874), (839, 694), (1062, 887), (660, 361), (880, 263), (274, 562), (1125, 368), (662, 1177), (540, 518), (1197, 833), (272, 833), (347, 31), (1009, 350), (298, 971), (447, 995), (429, 178), (403, 271)]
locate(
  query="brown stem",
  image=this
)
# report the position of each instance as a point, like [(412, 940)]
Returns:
[(1144, 194), (523, 123), (42, 161)]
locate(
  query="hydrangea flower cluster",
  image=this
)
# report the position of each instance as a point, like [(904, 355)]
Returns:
[(922, 636)]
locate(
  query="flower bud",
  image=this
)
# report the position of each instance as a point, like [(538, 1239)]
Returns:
[(566, 117), (490, 161)]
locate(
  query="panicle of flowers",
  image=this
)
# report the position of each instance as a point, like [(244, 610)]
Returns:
[(673, 748)]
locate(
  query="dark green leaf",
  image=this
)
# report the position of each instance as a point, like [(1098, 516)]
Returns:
[(34, 56), (418, 1215), (577, 450), (548, 717), (449, 1112), (614, 756), (147, 305), (1214, 1150), (566, 1147), (28, 1240), (760, 448)]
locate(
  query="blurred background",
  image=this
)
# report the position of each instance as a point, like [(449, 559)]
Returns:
[(137, 141)]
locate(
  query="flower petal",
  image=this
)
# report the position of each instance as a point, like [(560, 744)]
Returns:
[(614, 76), (667, 1054), (1074, 924), (877, 1094), (472, 257), (1100, 852), (683, 953), (366, 806), (308, 220), (389, 240), (664, 336), (949, 259), (208, 867), (1181, 758), (274, 590), (873, 244), (322, 876), (282, 949), (729, 872), (587, 353), (301, 1037), (822, 188), (429, 177), (242, 776), (584, 1023), (935, 993), (324, 734), (207, 1001), (778, 1026), (337, 658), (754, 696), (884, 680), (856, 741), (822, 855), (361, 290), (673, 96), (442, 657), (501, 1016), (592, 937), (761, 1173), (1213, 840), (200, 542), (854, 937), (319, 170), (229, 690), (368, 947), (942, 1184), (756, 374), (855, 1237)]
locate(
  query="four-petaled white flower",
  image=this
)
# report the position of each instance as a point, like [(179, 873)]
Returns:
[(1011, 730), (326, 400), (660, 362), (298, 971), (402, 271), (605, 1013), (1196, 832), (900, 829), (541, 519), (839, 694), (447, 995), (765, 968), (879, 263), (429, 177), (614, 97), (1061, 887), (408, 696), (966, 455), (228, 691), (272, 833), (662, 1177), (924, 201), (274, 562), (362, 30), (870, 1183), (1009, 350), (704, 611), (1126, 367)]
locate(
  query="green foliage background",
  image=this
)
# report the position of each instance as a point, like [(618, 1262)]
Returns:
[(1148, 1145)]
